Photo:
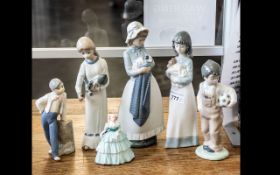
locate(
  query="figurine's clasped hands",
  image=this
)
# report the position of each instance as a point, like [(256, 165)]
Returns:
[(145, 70)]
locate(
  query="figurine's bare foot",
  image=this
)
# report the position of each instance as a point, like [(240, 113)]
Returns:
[(56, 158), (50, 151)]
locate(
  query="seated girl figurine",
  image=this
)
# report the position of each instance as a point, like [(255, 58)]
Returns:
[(114, 147)]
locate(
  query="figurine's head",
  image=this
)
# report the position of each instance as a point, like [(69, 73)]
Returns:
[(132, 9), (89, 17), (136, 34), (56, 85), (211, 72), (86, 47), (112, 117), (182, 43)]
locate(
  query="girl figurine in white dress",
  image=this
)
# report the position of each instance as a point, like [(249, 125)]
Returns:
[(92, 68), (114, 147), (140, 112), (182, 125)]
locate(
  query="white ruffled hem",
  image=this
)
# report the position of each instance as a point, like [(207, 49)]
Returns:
[(113, 147), (145, 135), (114, 159)]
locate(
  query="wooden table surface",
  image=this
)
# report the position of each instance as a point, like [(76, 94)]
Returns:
[(152, 160)]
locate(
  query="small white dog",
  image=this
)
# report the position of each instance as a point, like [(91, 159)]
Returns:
[(177, 70), (142, 62)]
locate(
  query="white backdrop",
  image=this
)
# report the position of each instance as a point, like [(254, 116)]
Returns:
[(165, 18), (231, 60)]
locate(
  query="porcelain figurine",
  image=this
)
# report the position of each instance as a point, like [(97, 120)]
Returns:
[(212, 97), (182, 118), (51, 106), (93, 69), (114, 147), (140, 112)]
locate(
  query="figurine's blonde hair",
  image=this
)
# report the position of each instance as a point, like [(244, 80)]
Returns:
[(110, 114), (85, 43)]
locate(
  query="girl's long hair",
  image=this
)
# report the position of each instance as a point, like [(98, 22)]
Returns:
[(184, 38)]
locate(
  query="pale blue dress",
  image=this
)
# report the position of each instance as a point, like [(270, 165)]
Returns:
[(114, 147)]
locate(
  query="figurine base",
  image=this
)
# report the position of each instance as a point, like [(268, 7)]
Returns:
[(144, 143), (200, 152)]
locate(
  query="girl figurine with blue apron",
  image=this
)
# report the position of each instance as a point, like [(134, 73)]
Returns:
[(140, 112)]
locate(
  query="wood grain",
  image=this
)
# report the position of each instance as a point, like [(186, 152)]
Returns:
[(152, 160)]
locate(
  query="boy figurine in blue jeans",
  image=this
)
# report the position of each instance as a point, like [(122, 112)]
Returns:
[(51, 105)]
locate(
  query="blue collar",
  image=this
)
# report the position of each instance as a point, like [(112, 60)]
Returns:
[(135, 49), (90, 61)]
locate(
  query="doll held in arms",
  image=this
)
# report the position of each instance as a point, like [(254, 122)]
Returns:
[(212, 97)]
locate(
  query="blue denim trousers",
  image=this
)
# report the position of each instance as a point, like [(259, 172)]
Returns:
[(49, 123)]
